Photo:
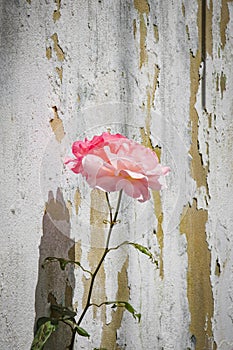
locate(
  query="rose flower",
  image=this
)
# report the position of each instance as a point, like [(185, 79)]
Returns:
[(113, 163)]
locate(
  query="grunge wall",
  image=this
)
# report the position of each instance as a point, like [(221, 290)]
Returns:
[(157, 71)]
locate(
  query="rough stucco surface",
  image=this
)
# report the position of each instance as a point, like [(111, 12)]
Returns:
[(142, 68)]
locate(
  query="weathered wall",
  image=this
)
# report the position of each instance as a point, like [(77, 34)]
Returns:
[(158, 71)]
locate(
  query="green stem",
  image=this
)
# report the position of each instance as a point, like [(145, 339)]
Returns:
[(106, 250)]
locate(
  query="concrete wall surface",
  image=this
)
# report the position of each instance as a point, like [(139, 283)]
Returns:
[(157, 71)]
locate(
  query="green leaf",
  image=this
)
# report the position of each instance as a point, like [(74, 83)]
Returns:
[(145, 251), (81, 331), (124, 304), (43, 333), (63, 262)]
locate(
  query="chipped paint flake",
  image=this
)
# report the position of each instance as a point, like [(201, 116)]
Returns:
[(223, 80), (49, 52), (134, 28), (57, 48), (57, 13), (156, 33), (60, 73), (142, 6), (77, 201), (57, 126)]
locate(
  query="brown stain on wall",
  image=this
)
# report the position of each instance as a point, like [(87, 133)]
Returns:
[(193, 224), (57, 126), (57, 13), (199, 287), (109, 334), (142, 7)]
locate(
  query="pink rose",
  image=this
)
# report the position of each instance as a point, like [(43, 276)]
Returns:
[(113, 162)]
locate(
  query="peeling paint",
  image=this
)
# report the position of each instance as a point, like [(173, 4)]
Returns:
[(97, 244), (225, 18), (109, 335), (49, 52), (223, 80), (57, 48), (200, 297), (134, 28), (183, 9), (57, 13), (208, 28), (151, 90), (57, 126), (156, 33), (221, 83), (60, 73), (142, 7), (199, 172), (194, 221), (77, 201), (157, 202), (217, 268)]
